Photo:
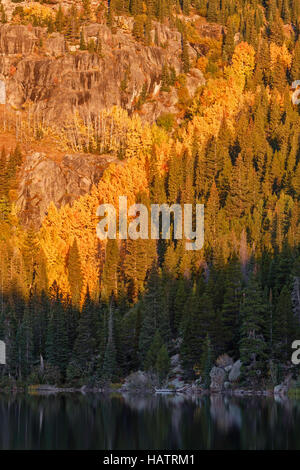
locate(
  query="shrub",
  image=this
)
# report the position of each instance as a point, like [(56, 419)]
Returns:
[(166, 121)]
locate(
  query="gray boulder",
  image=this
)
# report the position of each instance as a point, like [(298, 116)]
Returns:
[(176, 383), (139, 382), (281, 389), (235, 372), (176, 365), (217, 376)]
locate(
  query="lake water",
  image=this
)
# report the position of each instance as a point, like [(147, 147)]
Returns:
[(76, 421)]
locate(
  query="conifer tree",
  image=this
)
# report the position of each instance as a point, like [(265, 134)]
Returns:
[(74, 273), (109, 363), (231, 307), (295, 69), (185, 54), (192, 331), (228, 45), (24, 340), (138, 28), (59, 19), (253, 346), (162, 363), (152, 353), (212, 11), (82, 44), (206, 362), (185, 7), (3, 16), (109, 281), (284, 326), (57, 351), (87, 338), (179, 302), (155, 314), (87, 10)]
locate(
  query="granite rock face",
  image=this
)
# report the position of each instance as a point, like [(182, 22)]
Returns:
[(40, 74), (45, 180), (37, 68)]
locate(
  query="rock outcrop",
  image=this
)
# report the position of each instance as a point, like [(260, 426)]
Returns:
[(224, 374), (36, 67), (217, 376), (235, 372), (139, 382), (51, 82), (176, 373), (283, 388), (44, 180)]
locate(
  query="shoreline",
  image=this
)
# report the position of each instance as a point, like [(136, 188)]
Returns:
[(53, 390)]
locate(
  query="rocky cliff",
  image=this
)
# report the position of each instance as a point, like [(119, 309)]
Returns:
[(44, 180), (58, 80), (37, 67)]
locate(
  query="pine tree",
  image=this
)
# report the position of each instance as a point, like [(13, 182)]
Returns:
[(165, 79), (3, 16), (285, 12), (211, 215), (87, 10), (284, 326), (30, 250), (99, 45), (192, 331), (276, 34), (59, 19), (57, 351), (212, 11), (86, 342), (206, 362), (162, 363), (109, 363), (82, 44), (152, 353), (295, 69), (253, 347), (186, 7), (180, 299), (74, 273), (185, 54), (231, 307), (155, 314), (72, 24), (228, 45), (3, 175), (24, 340), (109, 281), (138, 28)]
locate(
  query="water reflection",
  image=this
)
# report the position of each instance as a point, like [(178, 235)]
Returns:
[(157, 422)]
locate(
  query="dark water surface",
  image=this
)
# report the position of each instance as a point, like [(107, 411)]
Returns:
[(78, 421)]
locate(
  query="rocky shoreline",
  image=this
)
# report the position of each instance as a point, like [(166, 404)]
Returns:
[(189, 390), (224, 379)]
